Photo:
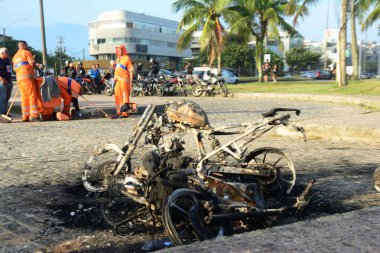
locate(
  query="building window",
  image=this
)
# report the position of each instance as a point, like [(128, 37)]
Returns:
[(129, 24), (171, 44), (100, 41), (119, 40)]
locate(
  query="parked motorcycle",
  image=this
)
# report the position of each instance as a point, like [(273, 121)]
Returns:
[(210, 87), (91, 86), (147, 86), (109, 89), (175, 83)]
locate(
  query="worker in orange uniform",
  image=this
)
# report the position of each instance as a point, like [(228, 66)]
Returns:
[(70, 91), (123, 78), (23, 65)]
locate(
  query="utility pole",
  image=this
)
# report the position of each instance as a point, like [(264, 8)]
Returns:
[(325, 42), (43, 33), (60, 49), (83, 55)]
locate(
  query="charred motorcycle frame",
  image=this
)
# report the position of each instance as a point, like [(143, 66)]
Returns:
[(224, 188)]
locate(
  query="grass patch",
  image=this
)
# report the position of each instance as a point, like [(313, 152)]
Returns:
[(360, 87)]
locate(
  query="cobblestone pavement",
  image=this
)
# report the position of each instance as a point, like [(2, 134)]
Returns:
[(44, 204)]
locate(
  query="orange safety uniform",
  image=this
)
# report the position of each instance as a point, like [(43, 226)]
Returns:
[(123, 70), (23, 66), (69, 88)]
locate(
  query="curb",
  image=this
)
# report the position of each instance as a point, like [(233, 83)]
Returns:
[(351, 100), (334, 133)]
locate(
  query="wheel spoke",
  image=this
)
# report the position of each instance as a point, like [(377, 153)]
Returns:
[(278, 160), (179, 208)]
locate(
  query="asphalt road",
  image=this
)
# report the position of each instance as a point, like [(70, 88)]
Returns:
[(43, 204)]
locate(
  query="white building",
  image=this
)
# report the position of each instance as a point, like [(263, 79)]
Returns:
[(144, 37)]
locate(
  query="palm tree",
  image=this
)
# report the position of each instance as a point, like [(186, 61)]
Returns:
[(373, 15), (354, 46), (342, 38), (208, 16), (260, 18)]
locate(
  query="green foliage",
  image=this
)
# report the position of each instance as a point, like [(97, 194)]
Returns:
[(202, 58), (362, 87), (238, 56), (300, 58)]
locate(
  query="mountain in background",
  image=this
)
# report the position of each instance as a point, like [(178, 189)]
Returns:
[(75, 38)]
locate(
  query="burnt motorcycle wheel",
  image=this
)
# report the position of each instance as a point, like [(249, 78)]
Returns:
[(120, 212), (281, 174), (183, 218), (223, 90), (197, 90), (99, 166)]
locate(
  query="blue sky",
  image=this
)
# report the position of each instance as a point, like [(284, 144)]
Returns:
[(84, 11)]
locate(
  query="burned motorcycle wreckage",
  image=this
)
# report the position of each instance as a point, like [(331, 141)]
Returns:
[(223, 189)]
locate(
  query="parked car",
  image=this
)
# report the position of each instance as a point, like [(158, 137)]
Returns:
[(365, 75), (228, 76), (308, 74), (323, 74), (166, 73), (316, 74)]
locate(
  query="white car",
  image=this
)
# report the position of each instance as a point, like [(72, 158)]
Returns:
[(228, 76)]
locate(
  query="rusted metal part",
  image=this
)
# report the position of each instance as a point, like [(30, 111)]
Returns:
[(226, 184), (187, 112)]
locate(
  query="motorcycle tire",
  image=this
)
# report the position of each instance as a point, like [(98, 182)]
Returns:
[(223, 90), (197, 91), (159, 91), (134, 92), (108, 91)]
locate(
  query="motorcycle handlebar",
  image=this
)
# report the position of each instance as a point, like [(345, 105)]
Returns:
[(274, 111)]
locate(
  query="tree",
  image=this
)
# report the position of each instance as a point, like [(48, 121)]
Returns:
[(260, 18), (354, 45), (237, 55), (300, 58), (208, 16), (341, 77), (373, 15)]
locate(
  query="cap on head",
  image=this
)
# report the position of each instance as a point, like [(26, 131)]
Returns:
[(66, 62), (123, 50), (3, 50)]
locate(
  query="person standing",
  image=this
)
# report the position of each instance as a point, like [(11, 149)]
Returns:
[(123, 78), (81, 72), (66, 68), (189, 72), (266, 69), (274, 73), (6, 84), (23, 64), (71, 72), (154, 67)]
